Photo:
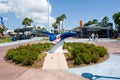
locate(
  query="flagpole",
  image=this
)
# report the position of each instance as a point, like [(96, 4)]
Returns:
[(48, 15)]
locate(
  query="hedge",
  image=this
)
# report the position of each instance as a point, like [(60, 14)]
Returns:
[(27, 55), (84, 53), (80, 53)]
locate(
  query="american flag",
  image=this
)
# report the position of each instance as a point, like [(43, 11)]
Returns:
[(1, 26)]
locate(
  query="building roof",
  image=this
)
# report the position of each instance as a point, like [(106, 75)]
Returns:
[(93, 28)]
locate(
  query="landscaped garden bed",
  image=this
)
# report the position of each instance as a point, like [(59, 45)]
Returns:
[(80, 54), (29, 55)]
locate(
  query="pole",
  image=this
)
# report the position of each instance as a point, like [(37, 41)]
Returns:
[(48, 15)]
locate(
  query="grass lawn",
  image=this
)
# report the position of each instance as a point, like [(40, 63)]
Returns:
[(9, 39)]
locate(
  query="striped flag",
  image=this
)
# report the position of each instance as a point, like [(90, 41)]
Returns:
[(1, 26)]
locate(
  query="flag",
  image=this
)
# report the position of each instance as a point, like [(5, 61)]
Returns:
[(1, 26)]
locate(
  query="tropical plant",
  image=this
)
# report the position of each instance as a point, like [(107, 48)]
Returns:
[(94, 21), (58, 23), (88, 23), (63, 16), (39, 28), (2, 30), (43, 29), (104, 21), (54, 25), (116, 18), (27, 22)]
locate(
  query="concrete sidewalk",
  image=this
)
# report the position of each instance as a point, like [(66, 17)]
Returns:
[(55, 61), (11, 72), (107, 70), (37, 74)]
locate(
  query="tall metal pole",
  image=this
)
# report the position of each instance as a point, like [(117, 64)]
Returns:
[(48, 15)]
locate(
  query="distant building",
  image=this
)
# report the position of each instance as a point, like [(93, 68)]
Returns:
[(103, 32)]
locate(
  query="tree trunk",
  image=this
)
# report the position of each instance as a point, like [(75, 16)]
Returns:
[(58, 28), (62, 25)]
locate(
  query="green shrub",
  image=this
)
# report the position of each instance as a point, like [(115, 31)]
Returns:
[(101, 51), (79, 52), (84, 52), (78, 60), (27, 55), (10, 54), (28, 62), (74, 53), (86, 58), (41, 56), (95, 57), (18, 59)]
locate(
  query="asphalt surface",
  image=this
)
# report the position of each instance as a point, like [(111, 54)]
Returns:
[(107, 70), (12, 72)]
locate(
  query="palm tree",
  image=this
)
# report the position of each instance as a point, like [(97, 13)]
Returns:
[(27, 22), (54, 25), (63, 16), (58, 23), (105, 20), (2, 30), (30, 21), (94, 21), (116, 18), (39, 28)]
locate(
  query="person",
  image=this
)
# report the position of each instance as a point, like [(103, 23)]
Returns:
[(96, 37), (93, 36), (89, 37)]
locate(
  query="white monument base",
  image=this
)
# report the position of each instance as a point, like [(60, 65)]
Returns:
[(58, 48)]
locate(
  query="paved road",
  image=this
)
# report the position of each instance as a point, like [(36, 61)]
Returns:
[(11, 72), (108, 70)]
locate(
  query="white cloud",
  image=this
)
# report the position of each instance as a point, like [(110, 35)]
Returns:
[(4, 8), (5, 18), (35, 9)]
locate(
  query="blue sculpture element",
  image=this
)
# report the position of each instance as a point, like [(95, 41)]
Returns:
[(59, 40), (53, 37), (2, 20)]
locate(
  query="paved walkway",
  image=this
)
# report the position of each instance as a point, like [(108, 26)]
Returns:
[(108, 70), (55, 61), (11, 72)]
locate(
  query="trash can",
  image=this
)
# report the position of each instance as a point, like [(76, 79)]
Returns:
[(14, 39)]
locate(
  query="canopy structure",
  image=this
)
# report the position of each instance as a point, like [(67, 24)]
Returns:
[(22, 29), (84, 31)]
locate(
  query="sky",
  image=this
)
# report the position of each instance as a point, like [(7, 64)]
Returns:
[(14, 11)]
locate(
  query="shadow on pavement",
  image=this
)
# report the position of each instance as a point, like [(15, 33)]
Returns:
[(95, 77)]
